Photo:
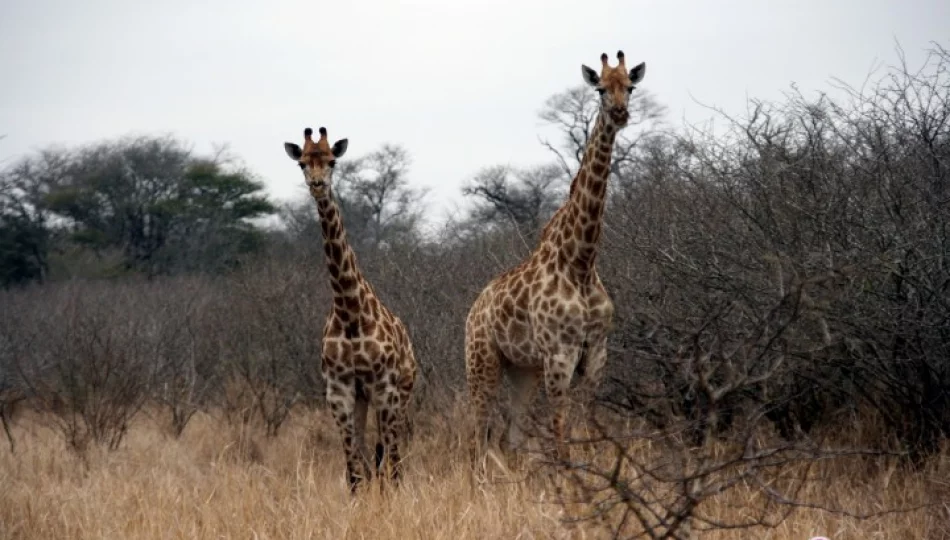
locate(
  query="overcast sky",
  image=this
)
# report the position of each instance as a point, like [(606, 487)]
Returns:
[(457, 82)]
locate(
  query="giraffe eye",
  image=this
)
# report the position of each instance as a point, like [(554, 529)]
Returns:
[(332, 163), (630, 89), (601, 91), (302, 166)]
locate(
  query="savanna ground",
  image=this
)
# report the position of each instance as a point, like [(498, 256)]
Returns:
[(214, 482)]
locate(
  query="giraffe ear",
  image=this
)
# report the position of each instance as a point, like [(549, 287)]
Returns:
[(637, 73), (590, 76), (293, 151), (339, 147)]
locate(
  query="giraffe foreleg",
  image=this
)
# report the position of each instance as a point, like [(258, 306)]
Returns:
[(346, 410), (558, 370), (524, 386), (589, 382), (359, 423)]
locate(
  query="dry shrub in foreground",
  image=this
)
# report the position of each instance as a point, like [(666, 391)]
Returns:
[(200, 486), (636, 481)]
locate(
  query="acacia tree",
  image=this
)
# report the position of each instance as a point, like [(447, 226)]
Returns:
[(148, 199), (212, 212)]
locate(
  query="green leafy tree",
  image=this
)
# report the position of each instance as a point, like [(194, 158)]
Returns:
[(26, 234), (145, 204), (211, 218)]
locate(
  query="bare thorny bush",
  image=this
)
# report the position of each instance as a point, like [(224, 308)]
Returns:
[(86, 355), (694, 430), (190, 369), (12, 393), (273, 332)]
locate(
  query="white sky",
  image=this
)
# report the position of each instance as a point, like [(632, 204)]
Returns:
[(457, 82)]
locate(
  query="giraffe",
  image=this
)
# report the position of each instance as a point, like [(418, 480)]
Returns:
[(549, 317), (367, 355)]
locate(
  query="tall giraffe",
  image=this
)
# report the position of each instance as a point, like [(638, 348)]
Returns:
[(550, 315), (367, 355)]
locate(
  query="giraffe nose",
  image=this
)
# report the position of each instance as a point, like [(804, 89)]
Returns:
[(619, 115)]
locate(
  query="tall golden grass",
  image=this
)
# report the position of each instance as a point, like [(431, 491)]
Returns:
[(215, 482)]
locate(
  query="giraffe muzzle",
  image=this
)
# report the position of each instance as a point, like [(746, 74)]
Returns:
[(619, 116)]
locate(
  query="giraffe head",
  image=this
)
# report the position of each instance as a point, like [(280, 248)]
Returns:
[(615, 84), (316, 159)]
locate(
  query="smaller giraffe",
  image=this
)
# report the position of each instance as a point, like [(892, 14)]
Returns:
[(367, 355)]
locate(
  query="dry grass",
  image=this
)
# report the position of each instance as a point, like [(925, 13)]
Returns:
[(214, 483)]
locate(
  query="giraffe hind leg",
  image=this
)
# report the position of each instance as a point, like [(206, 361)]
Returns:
[(380, 450), (380, 454), (389, 418), (483, 373), (524, 386), (359, 418)]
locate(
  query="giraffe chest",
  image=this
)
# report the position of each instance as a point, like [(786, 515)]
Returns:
[(574, 313), (370, 349), (556, 312)]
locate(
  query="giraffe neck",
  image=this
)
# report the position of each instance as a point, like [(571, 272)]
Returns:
[(345, 278), (576, 229)]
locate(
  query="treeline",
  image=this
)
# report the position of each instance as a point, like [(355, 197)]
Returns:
[(792, 270)]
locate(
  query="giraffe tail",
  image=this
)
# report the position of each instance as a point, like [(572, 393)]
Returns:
[(379, 447), (379, 456)]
